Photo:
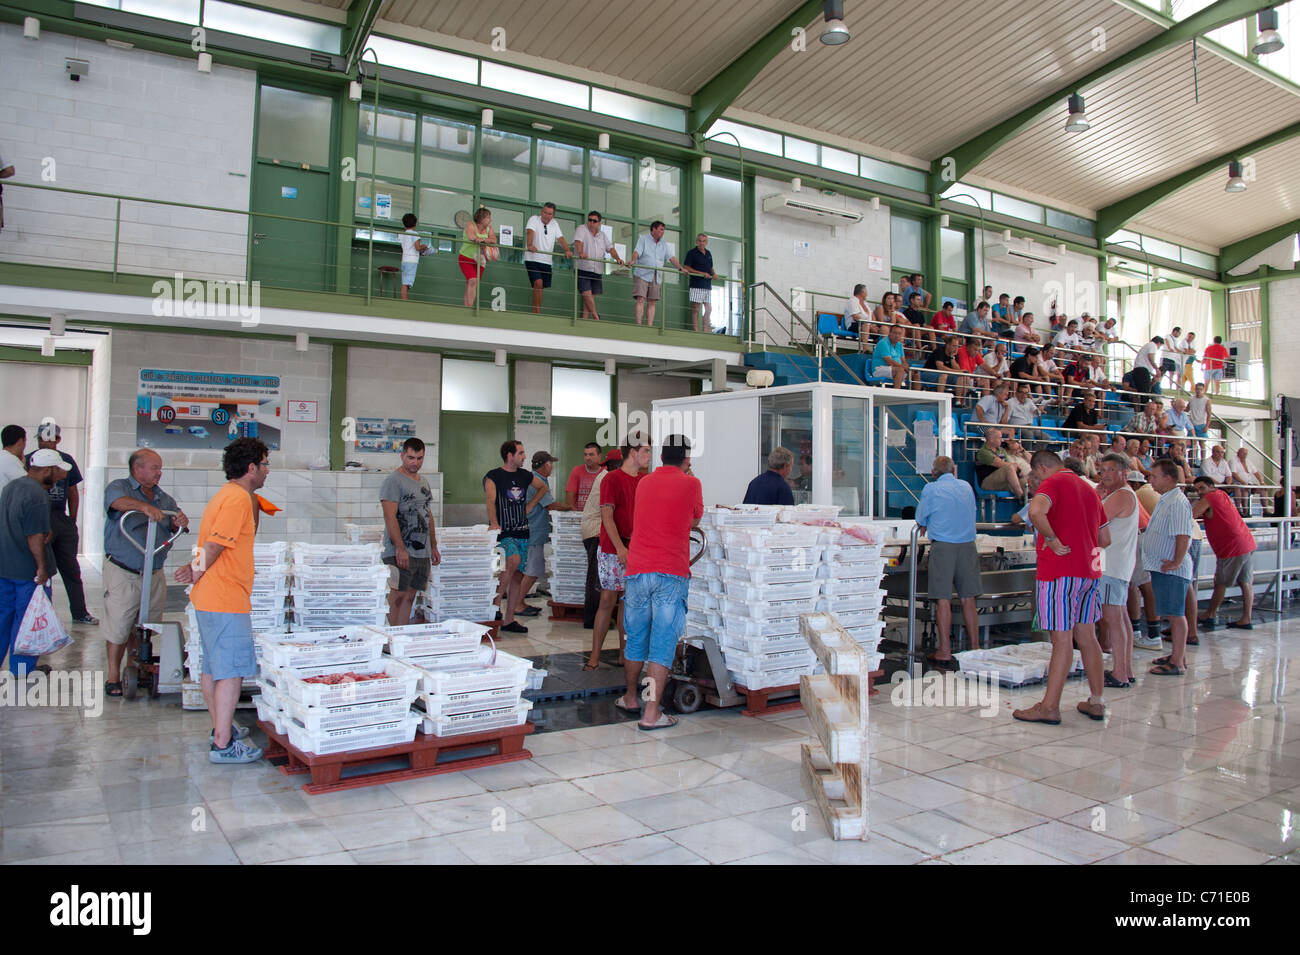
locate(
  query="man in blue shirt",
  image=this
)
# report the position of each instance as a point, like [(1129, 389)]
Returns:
[(773, 485), (946, 515), (977, 322), (887, 357)]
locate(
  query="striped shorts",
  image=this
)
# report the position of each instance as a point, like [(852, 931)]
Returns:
[(1067, 602)]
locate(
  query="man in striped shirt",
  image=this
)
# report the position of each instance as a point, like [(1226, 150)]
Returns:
[(1165, 553)]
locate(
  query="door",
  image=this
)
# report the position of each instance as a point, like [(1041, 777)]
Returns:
[(294, 255), (470, 448), (568, 435)]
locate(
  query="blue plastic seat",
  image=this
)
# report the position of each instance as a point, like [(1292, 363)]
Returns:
[(828, 323)]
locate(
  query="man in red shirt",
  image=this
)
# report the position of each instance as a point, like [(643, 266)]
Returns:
[(582, 477), (1215, 356), (1234, 552), (617, 497), (669, 502), (1071, 525)]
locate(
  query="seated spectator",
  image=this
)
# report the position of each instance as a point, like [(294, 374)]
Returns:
[(1076, 375), (1178, 455), (1148, 421), (905, 291), (977, 322), (1069, 337), (941, 362), (1025, 368), (1018, 309), (1244, 474), (1091, 459), (1108, 334), (1003, 309), (993, 408), (995, 362), (1279, 503), (916, 315), (1144, 451), (944, 321), (1088, 337), (887, 313), (971, 359), (1097, 373), (918, 286), (1176, 421), (1135, 460), (1019, 457), (856, 316), (1025, 330), (1084, 415), (1000, 318), (1216, 466), (887, 357), (1021, 412), (1052, 372), (1119, 445), (994, 468)]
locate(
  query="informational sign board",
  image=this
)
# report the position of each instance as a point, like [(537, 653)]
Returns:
[(304, 412), (206, 410)]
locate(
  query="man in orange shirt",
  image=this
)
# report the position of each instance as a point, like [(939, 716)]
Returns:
[(222, 575)]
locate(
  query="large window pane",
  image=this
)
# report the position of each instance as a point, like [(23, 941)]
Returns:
[(637, 110), (849, 465), (905, 243), (273, 27), (905, 176), (659, 186), (953, 244), (839, 160), (393, 144), (579, 393), (537, 85), (800, 150), (726, 299), (393, 200), (1007, 206), (969, 195), (447, 153), (294, 126), (1202, 260), (475, 386), (1166, 250), (785, 421), (438, 207), (506, 158), (721, 205), (611, 184), (1063, 220), (759, 140), (421, 59), (559, 174), (625, 236), (183, 11)]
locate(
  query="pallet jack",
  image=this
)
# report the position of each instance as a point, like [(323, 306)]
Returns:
[(141, 670)]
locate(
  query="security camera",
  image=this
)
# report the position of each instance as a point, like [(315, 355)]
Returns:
[(77, 69)]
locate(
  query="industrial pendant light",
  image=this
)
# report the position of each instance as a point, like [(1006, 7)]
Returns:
[(1235, 182), (1078, 121), (1268, 39), (834, 32)]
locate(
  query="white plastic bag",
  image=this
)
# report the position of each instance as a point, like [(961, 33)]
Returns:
[(40, 631)]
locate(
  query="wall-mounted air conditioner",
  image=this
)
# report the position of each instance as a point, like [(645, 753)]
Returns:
[(801, 206), (1019, 257)]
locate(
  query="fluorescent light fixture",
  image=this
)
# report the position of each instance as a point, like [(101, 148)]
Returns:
[(31, 28), (875, 203), (300, 341), (58, 325), (486, 119), (834, 32), (1006, 235), (543, 127), (119, 44), (706, 164), (1061, 249), (943, 221), (602, 142), (1268, 39), (1235, 182), (205, 62), (796, 184), (1078, 121), (611, 366), (47, 347), (499, 358), (354, 91)]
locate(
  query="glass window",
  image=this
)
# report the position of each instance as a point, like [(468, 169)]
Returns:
[(393, 199), (672, 276), (892, 173), (579, 393), (725, 297), (559, 174), (905, 243), (625, 236), (273, 27), (849, 455), (785, 421), (536, 85), (839, 160), (475, 386), (659, 190), (294, 126), (1166, 250), (721, 205), (1016, 208), (438, 207), (638, 110), (393, 145), (447, 153), (182, 11), (1131, 239), (506, 162), (800, 150), (611, 184), (953, 244), (960, 192), (421, 59), (507, 216), (1201, 260), (1063, 220), (759, 140)]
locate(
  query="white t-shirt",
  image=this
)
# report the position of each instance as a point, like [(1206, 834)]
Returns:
[(408, 240), (1221, 472), (994, 366), (1022, 412), (1174, 349), (1242, 473), (10, 466), (1048, 365), (1068, 340), (544, 237), (1148, 357), (854, 312)]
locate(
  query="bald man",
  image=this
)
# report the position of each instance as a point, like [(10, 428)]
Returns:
[(123, 563)]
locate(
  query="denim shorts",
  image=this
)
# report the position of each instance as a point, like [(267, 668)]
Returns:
[(1113, 591), (1171, 594), (227, 640), (654, 615), (514, 547), (408, 272)]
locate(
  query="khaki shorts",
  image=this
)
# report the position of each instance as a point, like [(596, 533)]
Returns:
[(999, 480), (122, 601), (646, 290)]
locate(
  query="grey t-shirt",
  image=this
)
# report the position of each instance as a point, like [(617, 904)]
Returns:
[(24, 510), (413, 498)]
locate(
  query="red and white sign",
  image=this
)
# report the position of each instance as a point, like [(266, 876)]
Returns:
[(302, 412)]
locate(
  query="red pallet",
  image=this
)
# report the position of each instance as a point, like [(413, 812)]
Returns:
[(422, 757), (756, 701), (561, 611)]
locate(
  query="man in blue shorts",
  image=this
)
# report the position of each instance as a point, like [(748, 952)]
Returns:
[(506, 490)]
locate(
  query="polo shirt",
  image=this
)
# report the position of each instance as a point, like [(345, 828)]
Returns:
[(1076, 516), (972, 324), (939, 356), (769, 488), (1220, 471), (885, 349), (1214, 355), (1023, 365), (594, 249), (116, 545), (854, 313), (11, 468), (668, 501), (1021, 412), (917, 317), (1179, 419), (947, 510), (1224, 528), (996, 366), (703, 261), (968, 361), (991, 408), (1079, 415), (1023, 333), (653, 255)]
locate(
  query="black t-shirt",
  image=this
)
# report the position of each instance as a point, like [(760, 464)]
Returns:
[(939, 355), (59, 492), (512, 500), (1079, 415), (695, 259), (1020, 366), (915, 316)]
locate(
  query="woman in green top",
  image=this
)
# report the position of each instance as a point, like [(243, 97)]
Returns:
[(480, 245)]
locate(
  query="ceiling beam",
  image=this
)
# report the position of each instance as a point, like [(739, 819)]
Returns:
[(1115, 215), (712, 99), (1231, 256), (362, 15), (960, 161)]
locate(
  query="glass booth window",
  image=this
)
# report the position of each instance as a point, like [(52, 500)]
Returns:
[(611, 184), (953, 245), (786, 421), (475, 386), (559, 174), (580, 393), (294, 126), (849, 436), (721, 207), (392, 200)]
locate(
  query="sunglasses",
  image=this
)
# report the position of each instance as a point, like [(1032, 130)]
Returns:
[(593, 220)]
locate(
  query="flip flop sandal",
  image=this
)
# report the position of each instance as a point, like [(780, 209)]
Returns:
[(1159, 660), (1167, 669), (620, 705), (588, 667), (112, 689), (665, 721), (1114, 683), (1193, 642)]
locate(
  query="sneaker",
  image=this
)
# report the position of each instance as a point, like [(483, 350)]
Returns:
[(236, 732), (1147, 642), (87, 619), (237, 752)]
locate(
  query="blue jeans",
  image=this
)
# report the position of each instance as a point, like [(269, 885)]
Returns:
[(654, 616), (15, 595)]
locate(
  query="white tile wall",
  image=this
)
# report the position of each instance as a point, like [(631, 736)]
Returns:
[(1284, 336), (533, 387), (388, 383), (140, 124)]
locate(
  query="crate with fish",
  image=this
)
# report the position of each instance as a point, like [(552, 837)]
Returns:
[(350, 645), (389, 679)]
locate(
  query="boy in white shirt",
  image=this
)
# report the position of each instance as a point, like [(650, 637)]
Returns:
[(412, 248)]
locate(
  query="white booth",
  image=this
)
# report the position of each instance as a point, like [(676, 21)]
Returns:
[(866, 449)]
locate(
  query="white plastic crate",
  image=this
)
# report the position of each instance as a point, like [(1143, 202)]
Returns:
[(473, 701), (321, 719), (850, 586), (701, 601), (271, 577), (777, 536), (874, 600), (356, 738), (431, 639), (268, 602), (849, 619), (325, 576), (476, 533), (340, 600), (809, 555), (762, 645), (269, 712), (269, 553), (400, 682), (743, 515), (355, 646), (696, 630), (772, 625), (266, 621), (462, 613), (848, 561), (866, 639), (330, 618), (766, 662), (364, 533), (462, 724), (762, 679), (773, 593), (492, 670), (269, 693), (700, 618), (335, 555), (760, 575), (373, 583), (801, 513)]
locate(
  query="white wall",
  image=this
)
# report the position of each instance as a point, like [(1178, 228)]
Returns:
[(1074, 280), (139, 124), (1284, 337), (636, 393), (392, 383)]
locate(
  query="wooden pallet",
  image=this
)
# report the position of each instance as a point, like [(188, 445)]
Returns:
[(561, 611), (425, 756), (757, 701)]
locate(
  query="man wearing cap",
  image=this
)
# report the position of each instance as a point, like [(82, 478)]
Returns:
[(65, 500), (539, 530), (25, 558), (591, 537), (124, 563)]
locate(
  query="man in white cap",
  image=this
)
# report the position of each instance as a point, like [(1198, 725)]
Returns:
[(25, 558)]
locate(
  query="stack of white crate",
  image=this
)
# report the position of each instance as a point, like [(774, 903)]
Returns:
[(333, 691), (851, 589), (338, 585), (568, 578), (364, 533), (463, 584), (465, 687)]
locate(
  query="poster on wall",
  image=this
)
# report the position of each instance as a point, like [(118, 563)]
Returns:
[(206, 410)]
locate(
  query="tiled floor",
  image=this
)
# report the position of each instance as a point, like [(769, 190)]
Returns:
[(1199, 769)]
